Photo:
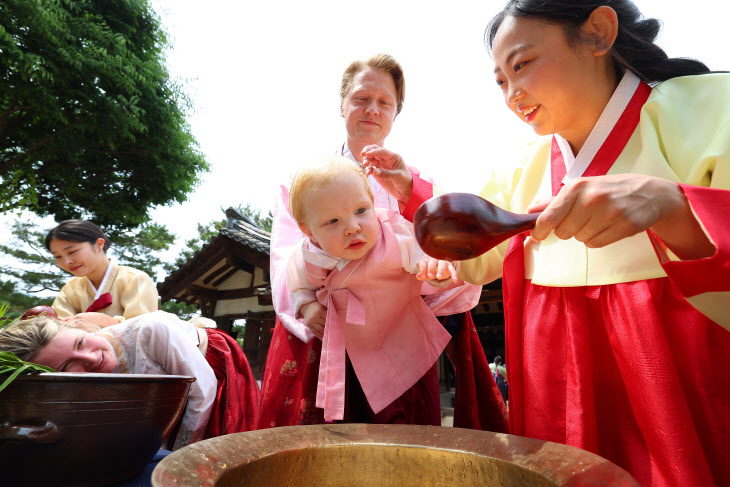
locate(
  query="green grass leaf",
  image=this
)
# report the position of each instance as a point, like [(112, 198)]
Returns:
[(11, 364)]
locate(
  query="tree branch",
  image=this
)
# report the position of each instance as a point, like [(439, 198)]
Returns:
[(6, 114), (45, 141)]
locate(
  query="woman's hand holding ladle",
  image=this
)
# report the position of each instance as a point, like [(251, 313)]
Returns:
[(597, 211)]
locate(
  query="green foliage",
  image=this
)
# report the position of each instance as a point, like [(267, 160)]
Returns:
[(37, 272), (140, 248), (10, 364), (238, 330), (18, 302), (91, 124), (263, 222), (4, 320), (184, 311)]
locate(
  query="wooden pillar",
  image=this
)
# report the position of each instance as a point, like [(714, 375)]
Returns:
[(267, 331), (224, 324), (251, 336)]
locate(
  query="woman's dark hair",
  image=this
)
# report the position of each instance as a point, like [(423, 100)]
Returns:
[(77, 231), (634, 48), (498, 360)]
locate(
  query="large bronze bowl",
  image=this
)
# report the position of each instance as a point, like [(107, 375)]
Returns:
[(77, 429), (359, 455)]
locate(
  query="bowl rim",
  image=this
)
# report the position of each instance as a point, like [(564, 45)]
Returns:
[(96, 377), (216, 456)]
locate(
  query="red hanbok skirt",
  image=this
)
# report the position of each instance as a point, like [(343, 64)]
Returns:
[(631, 372), (237, 398), (290, 380)]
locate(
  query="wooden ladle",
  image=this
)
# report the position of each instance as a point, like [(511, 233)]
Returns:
[(461, 226)]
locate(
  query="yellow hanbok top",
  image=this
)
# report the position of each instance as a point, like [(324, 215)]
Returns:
[(132, 291), (683, 135)]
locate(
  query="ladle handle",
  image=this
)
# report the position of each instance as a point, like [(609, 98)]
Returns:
[(529, 219)]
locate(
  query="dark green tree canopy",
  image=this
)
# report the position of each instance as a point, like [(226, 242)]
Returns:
[(91, 123)]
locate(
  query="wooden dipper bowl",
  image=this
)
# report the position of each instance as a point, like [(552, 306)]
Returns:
[(462, 226)]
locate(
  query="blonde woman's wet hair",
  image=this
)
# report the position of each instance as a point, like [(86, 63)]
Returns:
[(25, 338), (384, 62), (314, 177)]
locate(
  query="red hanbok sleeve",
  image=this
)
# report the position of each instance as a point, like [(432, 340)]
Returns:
[(422, 191), (705, 282)]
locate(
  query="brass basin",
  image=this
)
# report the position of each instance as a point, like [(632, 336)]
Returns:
[(365, 455)]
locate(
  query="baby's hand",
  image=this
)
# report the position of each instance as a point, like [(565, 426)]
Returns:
[(315, 316), (430, 269)]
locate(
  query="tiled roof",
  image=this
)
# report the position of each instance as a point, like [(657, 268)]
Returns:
[(242, 229), (239, 229)]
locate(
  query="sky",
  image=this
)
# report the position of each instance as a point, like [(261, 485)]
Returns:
[(264, 77)]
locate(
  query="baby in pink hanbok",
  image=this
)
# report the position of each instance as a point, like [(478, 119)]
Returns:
[(363, 264)]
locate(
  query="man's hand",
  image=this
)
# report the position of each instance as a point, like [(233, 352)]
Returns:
[(389, 170)]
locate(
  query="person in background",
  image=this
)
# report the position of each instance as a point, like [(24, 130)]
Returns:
[(223, 399), (499, 372), (99, 284)]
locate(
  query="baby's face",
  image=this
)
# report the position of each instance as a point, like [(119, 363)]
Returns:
[(340, 218)]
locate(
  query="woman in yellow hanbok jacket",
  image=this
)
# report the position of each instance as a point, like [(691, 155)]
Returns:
[(617, 305), (99, 284)]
